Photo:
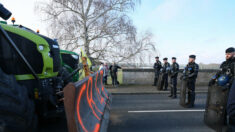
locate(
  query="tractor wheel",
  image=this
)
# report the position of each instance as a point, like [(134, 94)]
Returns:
[(17, 112)]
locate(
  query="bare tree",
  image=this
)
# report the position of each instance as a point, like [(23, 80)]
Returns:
[(101, 27)]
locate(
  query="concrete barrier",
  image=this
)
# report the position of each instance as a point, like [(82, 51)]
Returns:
[(87, 105), (146, 76)]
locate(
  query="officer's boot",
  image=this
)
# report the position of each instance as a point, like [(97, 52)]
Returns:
[(161, 86), (171, 95), (155, 82), (191, 97), (165, 89), (174, 92), (166, 85)]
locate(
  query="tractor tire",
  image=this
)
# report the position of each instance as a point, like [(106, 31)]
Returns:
[(17, 110)]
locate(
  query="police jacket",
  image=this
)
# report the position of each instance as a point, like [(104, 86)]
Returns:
[(174, 70), (157, 66), (228, 68), (191, 70), (231, 101), (165, 68)]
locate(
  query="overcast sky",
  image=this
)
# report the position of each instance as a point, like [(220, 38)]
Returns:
[(180, 27)]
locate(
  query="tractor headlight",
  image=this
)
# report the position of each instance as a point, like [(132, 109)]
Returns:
[(75, 56), (41, 47)]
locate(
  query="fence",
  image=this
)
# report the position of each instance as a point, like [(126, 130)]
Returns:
[(146, 76)]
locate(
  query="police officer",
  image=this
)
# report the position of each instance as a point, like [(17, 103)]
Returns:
[(229, 67), (190, 73), (174, 75), (157, 67), (165, 71), (220, 94)]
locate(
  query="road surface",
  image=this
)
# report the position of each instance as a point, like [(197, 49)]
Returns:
[(156, 113)]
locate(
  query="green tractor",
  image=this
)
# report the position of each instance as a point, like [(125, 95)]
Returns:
[(70, 61), (33, 73)]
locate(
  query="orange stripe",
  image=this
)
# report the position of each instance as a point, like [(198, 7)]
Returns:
[(98, 99), (105, 92), (97, 128), (78, 107), (101, 99), (90, 99), (103, 88)]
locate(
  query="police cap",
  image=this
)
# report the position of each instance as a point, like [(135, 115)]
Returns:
[(192, 56), (230, 50)]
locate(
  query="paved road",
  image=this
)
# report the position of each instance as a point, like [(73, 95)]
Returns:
[(145, 89), (155, 113)]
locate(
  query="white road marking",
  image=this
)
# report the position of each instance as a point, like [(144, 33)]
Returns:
[(165, 111)]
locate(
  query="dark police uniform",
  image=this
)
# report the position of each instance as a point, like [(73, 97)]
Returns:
[(165, 72), (174, 75), (157, 67), (228, 67), (231, 107), (220, 94), (191, 72)]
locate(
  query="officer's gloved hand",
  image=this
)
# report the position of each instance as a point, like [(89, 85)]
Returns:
[(211, 82), (226, 87), (181, 77), (190, 75), (185, 77), (173, 74)]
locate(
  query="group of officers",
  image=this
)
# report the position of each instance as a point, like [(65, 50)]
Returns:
[(224, 79), (165, 70)]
